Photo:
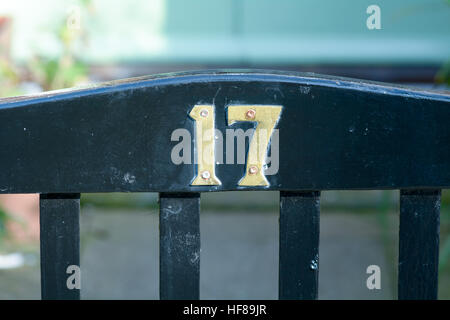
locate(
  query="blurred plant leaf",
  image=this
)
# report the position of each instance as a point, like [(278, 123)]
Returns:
[(443, 75)]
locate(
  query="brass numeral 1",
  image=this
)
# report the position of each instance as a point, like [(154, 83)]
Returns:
[(204, 133)]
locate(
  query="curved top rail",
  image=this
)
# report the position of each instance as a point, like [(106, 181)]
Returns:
[(305, 78), (332, 133)]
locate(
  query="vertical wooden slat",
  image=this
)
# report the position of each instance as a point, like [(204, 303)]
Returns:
[(419, 244), (299, 245), (179, 245), (60, 244)]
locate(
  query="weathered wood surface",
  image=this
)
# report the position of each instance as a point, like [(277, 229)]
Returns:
[(299, 245), (60, 245), (179, 246), (334, 133), (419, 244)]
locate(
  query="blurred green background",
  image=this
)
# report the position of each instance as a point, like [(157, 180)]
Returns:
[(49, 44)]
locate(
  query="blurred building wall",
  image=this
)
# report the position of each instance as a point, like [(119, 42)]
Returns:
[(239, 32)]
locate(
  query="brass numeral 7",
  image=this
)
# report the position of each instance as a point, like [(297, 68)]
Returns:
[(266, 117)]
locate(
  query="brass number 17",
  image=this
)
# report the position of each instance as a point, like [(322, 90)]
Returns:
[(266, 118)]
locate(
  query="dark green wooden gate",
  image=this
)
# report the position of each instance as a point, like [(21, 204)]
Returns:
[(334, 134)]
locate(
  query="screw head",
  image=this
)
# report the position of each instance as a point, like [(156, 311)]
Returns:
[(206, 175), (204, 113), (253, 170), (250, 114)]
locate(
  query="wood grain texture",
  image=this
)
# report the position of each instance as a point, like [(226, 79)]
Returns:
[(60, 244), (419, 244), (299, 245), (179, 227)]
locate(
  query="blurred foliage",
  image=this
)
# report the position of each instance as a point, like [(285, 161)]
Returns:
[(63, 71), (66, 70), (3, 218), (446, 198), (443, 75), (9, 79), (444, 258)]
